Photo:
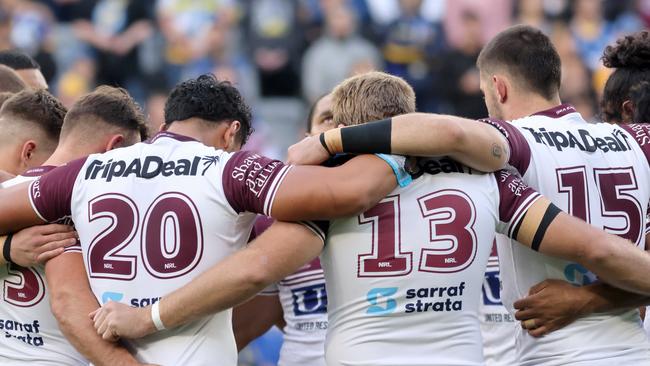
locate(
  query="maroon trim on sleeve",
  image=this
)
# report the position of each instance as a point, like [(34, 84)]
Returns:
[(641, 134), (557, 111), (519, 148), (250, 181), (515, 197), (51, 194)]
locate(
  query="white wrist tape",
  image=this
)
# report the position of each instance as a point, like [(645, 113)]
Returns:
[(155, 316)]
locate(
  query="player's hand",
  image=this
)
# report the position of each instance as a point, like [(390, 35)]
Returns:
[(309, 151), (4, 176), (38, 244), (115, 320), (549, 306)]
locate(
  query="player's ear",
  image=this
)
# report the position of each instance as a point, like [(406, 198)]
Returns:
[(116, 141), (230, 135), (500, 87), (27, 152), (627, 111)]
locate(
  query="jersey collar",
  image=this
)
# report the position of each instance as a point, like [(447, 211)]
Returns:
[(38, 171), (171, 135), (558, 111)]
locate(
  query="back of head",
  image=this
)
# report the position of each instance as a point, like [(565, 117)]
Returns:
[(526, 54), (17, 60), (640, 97), (371, 96), (631, 58), (31, 109), (10, 81), (106, 109), (210, 100)]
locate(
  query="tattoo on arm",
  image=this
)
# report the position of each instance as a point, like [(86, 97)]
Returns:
[(497, 151)]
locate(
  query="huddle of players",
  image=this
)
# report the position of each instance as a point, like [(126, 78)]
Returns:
[(381, 309)]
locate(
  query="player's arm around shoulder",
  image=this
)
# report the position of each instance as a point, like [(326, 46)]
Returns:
[(613, 259), (71, 300), (477, 145), (314, 192), (275, 254)]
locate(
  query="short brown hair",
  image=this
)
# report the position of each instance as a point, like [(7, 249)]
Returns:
[(110, 105), (38, 107), (528, 55), (371, 96), (10, 81)]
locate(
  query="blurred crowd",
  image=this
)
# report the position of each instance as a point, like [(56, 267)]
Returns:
[(284, 54)]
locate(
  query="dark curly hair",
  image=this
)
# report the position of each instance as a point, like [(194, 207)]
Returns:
[(640, 96), (631, 58), (209, 99)]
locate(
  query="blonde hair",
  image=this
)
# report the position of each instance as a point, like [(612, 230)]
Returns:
[(371, 96)]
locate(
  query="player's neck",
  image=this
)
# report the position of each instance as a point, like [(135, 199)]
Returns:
[(66, 153), (198, 131), (8, 167), (10, 162), (530, 104)]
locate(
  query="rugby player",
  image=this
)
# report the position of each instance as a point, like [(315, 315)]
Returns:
[(34, 117), (595, 172), (552, 303), (140, 213), (404, 277), (27, 136), (297, 303), (100, 121), (26, 67)]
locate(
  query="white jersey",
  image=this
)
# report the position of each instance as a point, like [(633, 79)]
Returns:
[(404, 278), (498, 326), (30, 333), (153, 216), (303, 298), (599, 173)]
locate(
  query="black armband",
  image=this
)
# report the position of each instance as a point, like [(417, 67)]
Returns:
[(6, 248), (551, 212), (322, 142), (373, 137)]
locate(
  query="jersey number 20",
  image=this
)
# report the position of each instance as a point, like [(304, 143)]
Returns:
[(171, 238)]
